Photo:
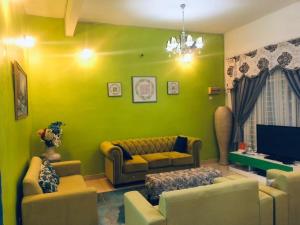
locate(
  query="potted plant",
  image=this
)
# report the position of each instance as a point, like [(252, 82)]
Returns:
[(51, 136)]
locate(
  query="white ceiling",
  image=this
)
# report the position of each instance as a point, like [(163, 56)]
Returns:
[(211, 16)]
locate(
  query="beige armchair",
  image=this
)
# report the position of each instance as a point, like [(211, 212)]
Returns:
[(73, 204), (228, 202), (285, 190)]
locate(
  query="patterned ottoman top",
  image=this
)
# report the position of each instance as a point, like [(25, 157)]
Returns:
[(180, 179)]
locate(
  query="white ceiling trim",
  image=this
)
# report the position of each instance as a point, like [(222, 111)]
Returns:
[(73, 10), (213, 16)]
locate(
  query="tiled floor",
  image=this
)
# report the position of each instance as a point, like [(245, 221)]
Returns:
[(103, 184)]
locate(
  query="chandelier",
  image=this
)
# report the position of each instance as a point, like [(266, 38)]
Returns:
[(184, 46)]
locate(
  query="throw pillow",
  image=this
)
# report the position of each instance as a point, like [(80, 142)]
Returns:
[(181, 144), (126, 154), (46, 180), (47, 164)]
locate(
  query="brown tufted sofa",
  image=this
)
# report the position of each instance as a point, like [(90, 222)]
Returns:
[(150, 155)]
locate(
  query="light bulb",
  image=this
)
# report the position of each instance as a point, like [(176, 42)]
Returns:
[(199, 42), (174, 42), (86, 54), (25, 42), (186, 58), (189, 41), (169, 47)]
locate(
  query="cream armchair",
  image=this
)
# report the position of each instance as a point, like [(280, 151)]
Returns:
[(73, 204), (285, 189), (228, 202)]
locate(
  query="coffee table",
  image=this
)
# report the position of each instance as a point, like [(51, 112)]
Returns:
[(180, 179)]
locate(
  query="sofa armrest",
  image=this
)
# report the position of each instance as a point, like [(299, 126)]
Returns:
[(138, 211), (194, 147), (280, 201), (266, 209), (274, 173), (76, 207), (221, 180), (67, 168), (111, 151)]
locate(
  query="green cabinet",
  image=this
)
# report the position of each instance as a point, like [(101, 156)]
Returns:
[(256, 161)]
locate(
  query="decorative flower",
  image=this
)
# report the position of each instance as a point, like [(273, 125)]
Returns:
[(263, 63), (244, 68), (51, 135), (285, 59)]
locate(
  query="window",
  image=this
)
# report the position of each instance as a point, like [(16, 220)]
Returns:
[(276, 105)]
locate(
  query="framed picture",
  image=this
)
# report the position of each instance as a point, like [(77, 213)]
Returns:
[(20, 91), (173, 87), (114, 89), (144, 89)]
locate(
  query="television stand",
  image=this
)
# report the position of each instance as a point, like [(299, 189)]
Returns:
[(284, 161), (256, 160)]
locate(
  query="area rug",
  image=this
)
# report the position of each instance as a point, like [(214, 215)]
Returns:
[(111, 205)]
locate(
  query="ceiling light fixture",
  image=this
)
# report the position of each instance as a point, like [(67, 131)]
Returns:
[(86, 54), (23, 42), (184, 46)]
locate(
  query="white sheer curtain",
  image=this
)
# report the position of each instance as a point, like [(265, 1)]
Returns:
[(276, 105)]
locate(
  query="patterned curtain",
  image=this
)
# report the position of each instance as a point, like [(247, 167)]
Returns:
[(285, 55), (246, 76)]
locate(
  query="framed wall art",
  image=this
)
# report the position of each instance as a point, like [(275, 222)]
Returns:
[(173, 87), (144, 89), (20, 91), (114, 89)]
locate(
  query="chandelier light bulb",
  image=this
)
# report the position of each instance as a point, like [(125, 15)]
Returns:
[(186, 58), (185, 46), (86, 54), (199, 42), (189, 41)]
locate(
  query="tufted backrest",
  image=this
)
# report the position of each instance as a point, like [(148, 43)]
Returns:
[(148, 145)]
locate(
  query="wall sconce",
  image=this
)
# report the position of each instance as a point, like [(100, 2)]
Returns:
[(23, 42)]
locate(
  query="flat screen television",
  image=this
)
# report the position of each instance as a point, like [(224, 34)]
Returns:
[(279, 142)]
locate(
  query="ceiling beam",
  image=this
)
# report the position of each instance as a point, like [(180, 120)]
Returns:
[(72, 15)]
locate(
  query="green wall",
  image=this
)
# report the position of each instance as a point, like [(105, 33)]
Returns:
[(14, 135), (65, 89), (61, 87)]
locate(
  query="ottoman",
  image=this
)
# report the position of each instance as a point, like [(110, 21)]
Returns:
[(180, 179)]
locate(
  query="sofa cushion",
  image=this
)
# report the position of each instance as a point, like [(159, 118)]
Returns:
[(47, 164), (71, 183), (181, 144), (47, 181), (179, 159), (126, 154), (136, 164), (156, 160)]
